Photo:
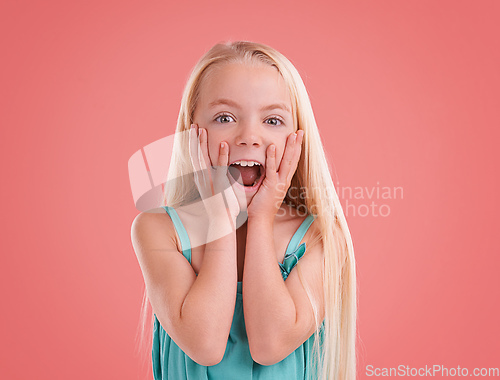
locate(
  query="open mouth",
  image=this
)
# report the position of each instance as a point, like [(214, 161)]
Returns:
[(251, 172)]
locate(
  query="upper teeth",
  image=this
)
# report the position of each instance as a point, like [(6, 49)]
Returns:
[(246, 163)]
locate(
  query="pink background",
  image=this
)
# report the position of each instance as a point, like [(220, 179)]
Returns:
[(406, 94)]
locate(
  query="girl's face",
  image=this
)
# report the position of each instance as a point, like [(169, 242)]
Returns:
[(248, 107)]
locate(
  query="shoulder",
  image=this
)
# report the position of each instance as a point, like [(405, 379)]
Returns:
[(288, 214), (152, 227), (290, 218), (151, 218)]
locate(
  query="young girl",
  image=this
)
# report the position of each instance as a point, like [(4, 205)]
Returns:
[(249, 268)]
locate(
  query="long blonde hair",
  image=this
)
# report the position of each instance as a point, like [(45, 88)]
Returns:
[(334, 354)]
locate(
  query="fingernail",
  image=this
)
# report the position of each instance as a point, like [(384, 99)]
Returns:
[(222, 145), (192, 125), (199, 131)]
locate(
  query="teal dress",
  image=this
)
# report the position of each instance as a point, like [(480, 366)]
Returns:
[(171, 363)]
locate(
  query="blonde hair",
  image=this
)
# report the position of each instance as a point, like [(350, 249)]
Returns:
[(334, 354)]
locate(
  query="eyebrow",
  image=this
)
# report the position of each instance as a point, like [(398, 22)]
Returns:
[(236, 105)]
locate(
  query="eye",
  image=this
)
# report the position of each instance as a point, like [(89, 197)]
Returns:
[(277, 121), (224, 116)]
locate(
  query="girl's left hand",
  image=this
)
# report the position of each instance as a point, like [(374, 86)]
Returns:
[(268, 199)]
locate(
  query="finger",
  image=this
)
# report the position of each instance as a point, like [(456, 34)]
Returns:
[(223, 154), (233, 176), (222, 166), (271, 161), (287, 160), (296, 157), (193, 148), (204, 159)]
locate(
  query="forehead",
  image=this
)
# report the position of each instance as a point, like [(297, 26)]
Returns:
[(248, 85)]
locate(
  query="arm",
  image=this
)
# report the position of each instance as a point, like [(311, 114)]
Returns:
[(278, 314), (196, 311)]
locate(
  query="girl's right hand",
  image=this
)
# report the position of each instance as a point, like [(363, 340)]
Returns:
[(210, 180)]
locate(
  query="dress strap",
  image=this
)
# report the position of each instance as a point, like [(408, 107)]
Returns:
[(299, 234), (294, 252), (181, 232)]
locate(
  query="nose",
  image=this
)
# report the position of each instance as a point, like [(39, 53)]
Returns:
[(248, 135)]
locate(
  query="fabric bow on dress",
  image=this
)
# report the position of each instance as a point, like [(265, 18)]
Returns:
[(291, 259)]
